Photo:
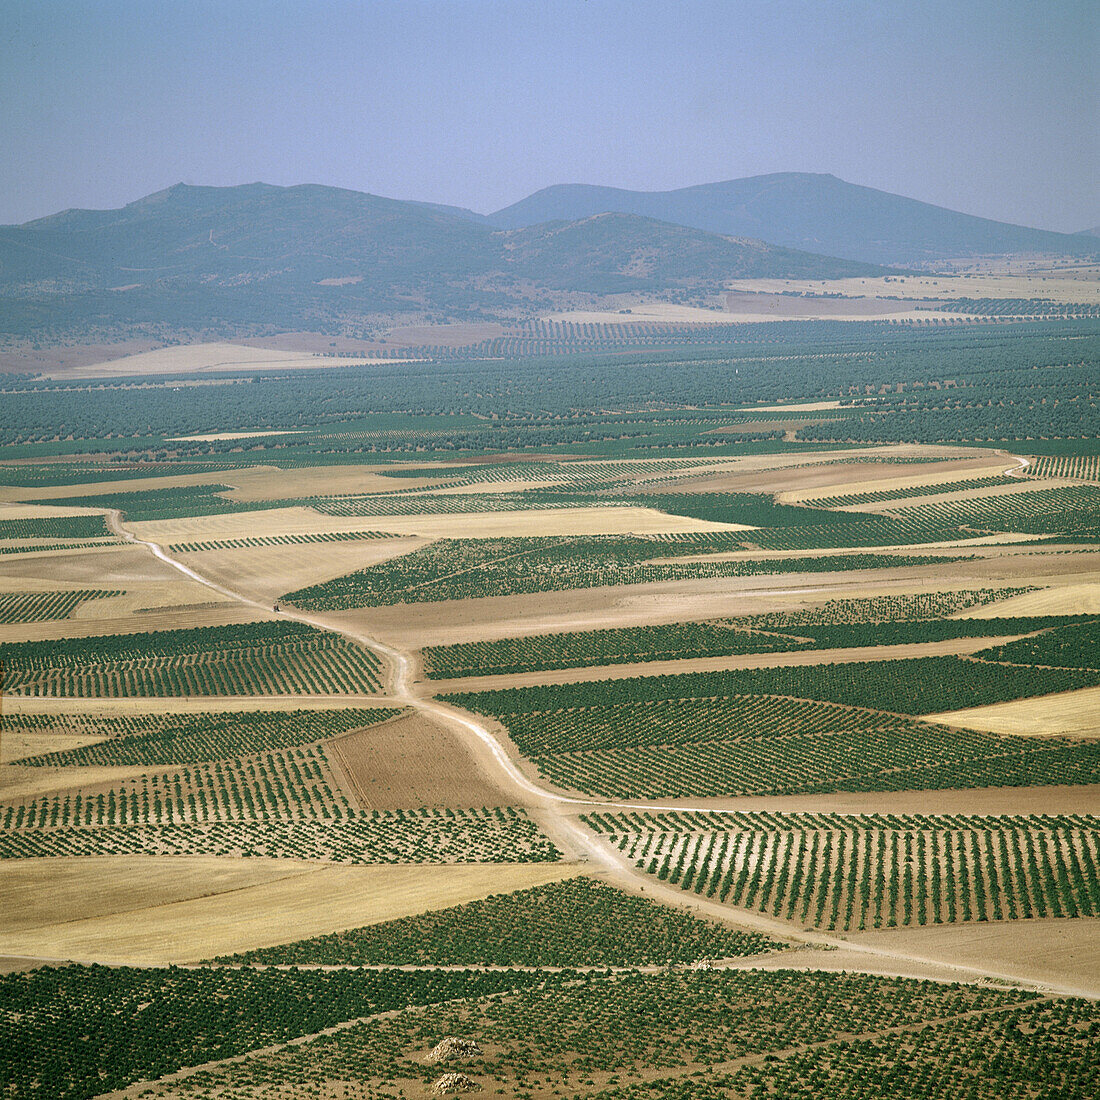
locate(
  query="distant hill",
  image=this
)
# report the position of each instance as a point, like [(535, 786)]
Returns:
[(817, 213), (322, 257), (1093, 232)]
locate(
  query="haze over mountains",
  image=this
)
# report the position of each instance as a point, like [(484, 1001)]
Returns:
[(210, 258), (818, 213)]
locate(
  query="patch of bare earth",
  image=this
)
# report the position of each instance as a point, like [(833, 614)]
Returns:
[(413, 761)]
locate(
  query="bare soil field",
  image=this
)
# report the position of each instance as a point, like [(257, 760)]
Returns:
[(112, 567), (318, 899), (413, 761), (1066, 951), (455, 334), (1067, 799), (797, 483), (260, 482), (758, 305), (1069, 598), (240, 525), (597, 520), (645, 311), (18, 744), (153, 595), (39, 892), (201, 359), (1069, 286), (808, 406), (592, 673), (18, 783), (264, 573), (1068, 714), (210, 437)]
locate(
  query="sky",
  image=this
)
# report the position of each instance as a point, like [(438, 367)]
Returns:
[(990, 107)]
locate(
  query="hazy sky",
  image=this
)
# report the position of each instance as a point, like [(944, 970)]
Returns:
[(987, 106)]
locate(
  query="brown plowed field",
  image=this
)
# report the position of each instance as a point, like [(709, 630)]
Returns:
[(412, 761)]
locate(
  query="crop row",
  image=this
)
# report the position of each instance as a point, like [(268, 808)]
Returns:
[(860, 873), (1081, 467), (714, 638), (294, 783), (452, 569), (882, 609), (580, 922), (250, 659), (664, 1034), (685, 721), (55, 527), (621, 645), (150, 1022), (504, 835), (984, 1057), (865, 760), (43, 547), (33, 607), (187, 738), (846, 500), (918, 685), (254, 541), (1072, 510)]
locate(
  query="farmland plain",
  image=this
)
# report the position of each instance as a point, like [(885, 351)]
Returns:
[(735, 658)]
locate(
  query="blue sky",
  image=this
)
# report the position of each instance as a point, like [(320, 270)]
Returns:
[(986, 106)]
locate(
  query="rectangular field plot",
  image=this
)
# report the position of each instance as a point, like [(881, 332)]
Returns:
[(56, 527), (874, 871), (266, 658), (886, 620), (455, 569), (1072, 511), (185, 738), (504, 835), (33, 607), (915, 686)]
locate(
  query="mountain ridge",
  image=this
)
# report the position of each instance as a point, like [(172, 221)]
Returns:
[(312, 255), (816, 212)]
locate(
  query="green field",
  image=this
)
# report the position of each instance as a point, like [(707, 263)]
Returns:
[(268, 658), (395, 836), (852, 872)]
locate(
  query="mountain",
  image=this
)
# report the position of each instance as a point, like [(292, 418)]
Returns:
[(817, 213), (1093, 232), (324, 257)]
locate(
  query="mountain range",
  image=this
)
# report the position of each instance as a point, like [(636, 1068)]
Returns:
[(817, 213), (324, 258)]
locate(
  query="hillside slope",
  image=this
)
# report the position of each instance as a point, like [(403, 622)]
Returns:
[(818, 213), (322, 257)]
